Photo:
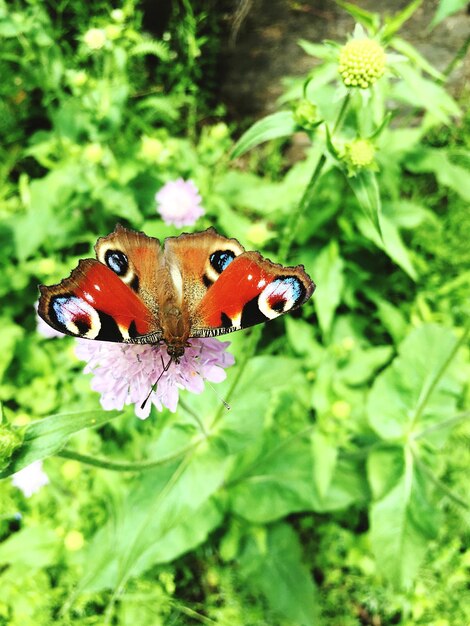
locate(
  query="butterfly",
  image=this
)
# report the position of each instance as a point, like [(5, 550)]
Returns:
[(195, 285)]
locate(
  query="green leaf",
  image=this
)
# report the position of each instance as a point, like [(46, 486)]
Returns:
[(418, 91), (49, 435), (403, 521), (405, 48), (152, 46), (366, 18), (328, 269), (10, 334), (447, 8), (392, 319), (273, 566), (363, 364), (449, 174), (319, 50), (166, 512), (414, 391), (366, 189), (395, 22), (391, 243), (35, 547), (325, 455), (280, 124)]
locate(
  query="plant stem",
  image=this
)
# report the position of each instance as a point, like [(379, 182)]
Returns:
[(293, 224), (123, 466)]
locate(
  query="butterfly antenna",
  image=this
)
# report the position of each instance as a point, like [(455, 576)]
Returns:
[(219, 397), (154, 386)]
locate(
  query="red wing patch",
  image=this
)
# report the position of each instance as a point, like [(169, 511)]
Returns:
[(249, 291), (94, 303)]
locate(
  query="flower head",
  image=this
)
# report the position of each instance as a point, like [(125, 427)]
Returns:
[(178, 202), (30, 479), (125, 373), (358, 155), (361, 62), (95, 38)]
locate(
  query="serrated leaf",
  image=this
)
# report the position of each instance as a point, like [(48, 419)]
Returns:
[(152, 46), (274, 568), (395, 403), (273, 126), (49, 435)]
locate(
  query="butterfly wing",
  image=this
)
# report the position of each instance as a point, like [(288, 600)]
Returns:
[(113, 298), (250, 290), (196, 262), (137, 260), (94, 303)]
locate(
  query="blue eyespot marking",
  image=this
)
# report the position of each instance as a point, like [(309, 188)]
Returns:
[(116, 261), (221, 259)]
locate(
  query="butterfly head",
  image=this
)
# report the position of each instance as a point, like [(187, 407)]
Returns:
[(176, 350)]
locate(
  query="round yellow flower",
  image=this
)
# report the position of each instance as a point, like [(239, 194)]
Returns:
[(361, 63), (74, 540), (94, 153), (341, 409), (95, 38)]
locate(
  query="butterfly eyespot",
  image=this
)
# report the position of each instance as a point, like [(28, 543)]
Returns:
[(117, 262), (221, 259), (75, 316), (280, 296)]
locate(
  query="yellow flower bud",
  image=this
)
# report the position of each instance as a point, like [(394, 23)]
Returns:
[(95, 38), (71, 469), (358, 155), (341, 409), (306, 115), (74, 540), (361, 63), (258, 234), (150, 148), (94, 153)]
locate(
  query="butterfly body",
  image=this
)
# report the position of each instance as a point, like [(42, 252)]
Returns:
[(196, 285)]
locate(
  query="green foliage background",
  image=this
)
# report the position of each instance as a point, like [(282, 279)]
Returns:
[(334, 491)]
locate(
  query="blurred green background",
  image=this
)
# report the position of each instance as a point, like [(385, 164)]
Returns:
[(335, 491)]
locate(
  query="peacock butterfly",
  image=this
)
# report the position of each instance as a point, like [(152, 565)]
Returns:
[(195, 285)]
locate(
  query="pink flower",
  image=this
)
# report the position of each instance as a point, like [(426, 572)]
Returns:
[(179, 203), (44, 329), (125, 373), (30, 479)]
